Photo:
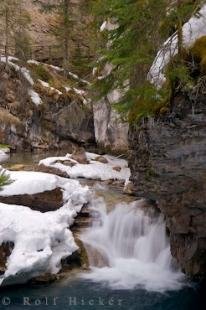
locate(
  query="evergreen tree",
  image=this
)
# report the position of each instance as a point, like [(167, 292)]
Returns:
[(132, 45), (142, 27)]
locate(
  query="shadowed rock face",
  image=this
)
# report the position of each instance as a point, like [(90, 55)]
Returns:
[(168, 163), (57, 123)]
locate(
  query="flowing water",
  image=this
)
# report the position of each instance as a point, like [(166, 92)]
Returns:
[(133, 250), (131, 264)]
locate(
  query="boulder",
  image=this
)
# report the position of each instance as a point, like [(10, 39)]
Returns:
[(43, 202), (75, 122), (80, 156), (101, 159), (52, 170), (117, 168)]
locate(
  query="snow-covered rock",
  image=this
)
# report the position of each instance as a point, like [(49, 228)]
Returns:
[(95, 169), (27, 182), (192, 30), (24, 71), (46, 85), (41, 240), (35, 98)]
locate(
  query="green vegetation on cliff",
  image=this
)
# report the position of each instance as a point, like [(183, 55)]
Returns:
[(133, 32)]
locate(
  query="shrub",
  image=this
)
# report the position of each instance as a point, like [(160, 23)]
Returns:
[(4, 179)]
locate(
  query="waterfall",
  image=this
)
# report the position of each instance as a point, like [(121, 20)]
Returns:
[(128, 247)]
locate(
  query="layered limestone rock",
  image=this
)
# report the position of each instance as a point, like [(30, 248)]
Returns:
[(168, 163)]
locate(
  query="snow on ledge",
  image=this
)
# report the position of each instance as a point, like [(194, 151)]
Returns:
[(35, 98), (41, 240), (46, 85), (192, 30), (93, 170), (26, 182)]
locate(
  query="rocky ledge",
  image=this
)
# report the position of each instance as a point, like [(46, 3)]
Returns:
[(168, 164)]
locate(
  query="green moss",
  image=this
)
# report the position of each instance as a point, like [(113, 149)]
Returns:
[(149, 102), (199, 48), (198, 51)]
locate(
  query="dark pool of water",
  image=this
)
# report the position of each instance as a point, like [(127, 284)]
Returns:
[(29, 158), (79, 294)]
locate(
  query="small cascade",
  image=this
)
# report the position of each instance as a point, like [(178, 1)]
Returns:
[(128, 247)]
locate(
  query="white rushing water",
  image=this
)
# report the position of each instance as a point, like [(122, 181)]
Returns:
[(128, 248)]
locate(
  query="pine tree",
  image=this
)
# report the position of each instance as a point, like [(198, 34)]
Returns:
[(143, 25), (132, 45)]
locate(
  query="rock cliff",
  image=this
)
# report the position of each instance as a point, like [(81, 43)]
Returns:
[(46, 118), (168, 163)]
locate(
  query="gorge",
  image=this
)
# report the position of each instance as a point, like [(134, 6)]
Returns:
[(102, 152)]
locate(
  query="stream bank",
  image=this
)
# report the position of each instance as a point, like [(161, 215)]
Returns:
[(73, 290)]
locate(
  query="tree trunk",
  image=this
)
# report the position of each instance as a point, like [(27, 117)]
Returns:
[(66, 39), (6, 35), (179, 31)]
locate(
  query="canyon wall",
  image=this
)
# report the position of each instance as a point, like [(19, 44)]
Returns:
[(168, 163)]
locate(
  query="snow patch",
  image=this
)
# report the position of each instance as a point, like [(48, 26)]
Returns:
[(35, 98), (93, 170), (109, 26), (24, 71)]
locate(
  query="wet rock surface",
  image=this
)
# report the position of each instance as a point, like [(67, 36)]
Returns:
[(168, 163)]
